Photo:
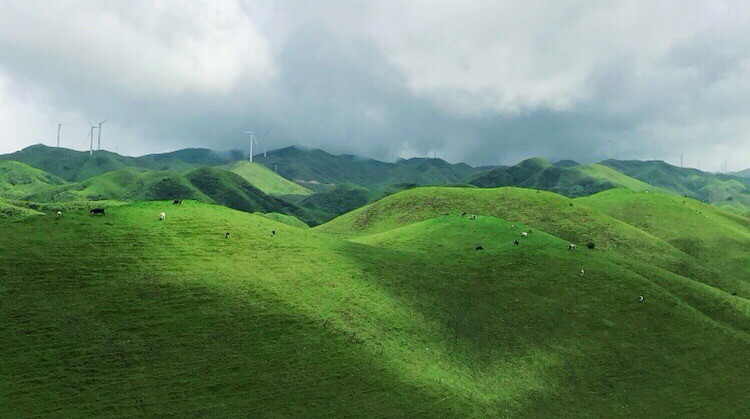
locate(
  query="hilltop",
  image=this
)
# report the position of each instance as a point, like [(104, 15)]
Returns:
[(719, 189), (406, 319), (206, 184), (18, 180), (75, 166), (567, 177), (265, 179), (324, 168)]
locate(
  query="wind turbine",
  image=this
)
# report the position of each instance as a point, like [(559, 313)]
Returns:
[(252, 140), (59, 126), (91, 137), (99, 140)]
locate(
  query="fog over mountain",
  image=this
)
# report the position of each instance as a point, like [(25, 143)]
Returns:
[(481, 82)]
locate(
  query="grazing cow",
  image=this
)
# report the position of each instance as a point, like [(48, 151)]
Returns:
[(516, 242), (581, 272), (524, 234), (162, 216), (473, 216), (571, 246), (479, 248), (226, 235), (95, 211), (58, 214), (463, 214), (512, 226), (734, 294), (177, 202), (640, 298), (273, 233)]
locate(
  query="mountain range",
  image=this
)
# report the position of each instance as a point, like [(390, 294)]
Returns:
[(318, 186)]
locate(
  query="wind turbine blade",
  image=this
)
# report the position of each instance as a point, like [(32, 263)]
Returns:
[(267, 131), (103, 121)]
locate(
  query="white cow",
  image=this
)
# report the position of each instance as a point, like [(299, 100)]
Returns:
[(524, 234), (581, 272), (58, 214), (162, 216)]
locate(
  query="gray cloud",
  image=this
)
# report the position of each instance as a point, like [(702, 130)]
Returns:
[(485, 82)]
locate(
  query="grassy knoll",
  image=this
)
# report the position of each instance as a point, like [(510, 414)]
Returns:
[(265, 179), (124, 315), (18, 180)]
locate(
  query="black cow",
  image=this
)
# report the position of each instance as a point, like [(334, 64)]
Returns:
[(177, 202), (273, 233), (479, 248), (516, 242), (95, 211), (226, 235)]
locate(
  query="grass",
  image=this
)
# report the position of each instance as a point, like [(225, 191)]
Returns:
[(265, 179), (124, 315)]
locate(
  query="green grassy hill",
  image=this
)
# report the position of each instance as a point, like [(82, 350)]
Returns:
[(319, 166), (743, 173), (265, 179), (722, 190), (76, 166), (173, 319), (9, 210), (712, 236), (18, 180), (206, 184), (565, 178)]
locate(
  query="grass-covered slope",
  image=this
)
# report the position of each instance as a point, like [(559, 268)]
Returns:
[(324, 168), (9, 210), (265, 179), (722, 190), (566, 179), (173, 319), (711, 235), (69, 164), (18, 180), (206, 184)]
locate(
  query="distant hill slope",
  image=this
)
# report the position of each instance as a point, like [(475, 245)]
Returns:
[(265, 179), (75, 165), (714, 237), (743, 173), (719, 189), (317, 165), (8, 210), (128, 316), (567, 179), (206, 184), (18, 179), (69, 164)]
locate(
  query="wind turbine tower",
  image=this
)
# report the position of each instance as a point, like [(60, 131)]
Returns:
[(252, 141), (91, 137), (59, 126), (99, 140)]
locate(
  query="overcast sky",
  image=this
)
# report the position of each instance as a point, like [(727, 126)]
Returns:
[(484, 82)]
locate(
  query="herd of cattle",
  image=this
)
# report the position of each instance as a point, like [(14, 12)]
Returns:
[(524, 234)]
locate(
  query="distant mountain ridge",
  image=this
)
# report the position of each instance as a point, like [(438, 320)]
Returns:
[(325, 168), (720, 189), (569, 178)]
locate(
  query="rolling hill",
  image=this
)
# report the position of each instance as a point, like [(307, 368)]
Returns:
[(76, 166), (206, 184), (722, 190), (321, 167), (265, 179), (566, 178), (743, 173), (18, 180), (406, 319)]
